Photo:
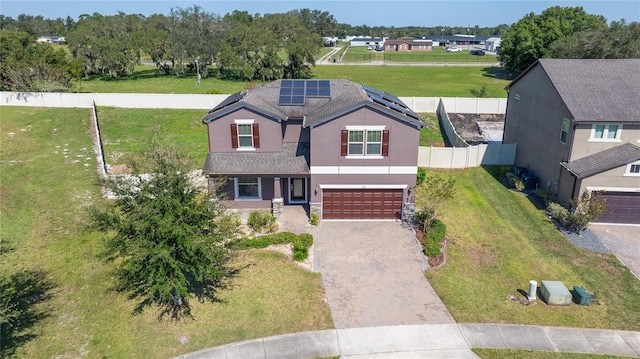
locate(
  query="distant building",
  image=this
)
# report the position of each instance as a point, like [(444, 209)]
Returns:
[(492, 44), (51, 40), (367, 41)]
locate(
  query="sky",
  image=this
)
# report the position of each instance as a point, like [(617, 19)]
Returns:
[(427, 13)]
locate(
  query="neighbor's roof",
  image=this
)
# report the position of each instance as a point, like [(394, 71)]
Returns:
[(604, 160), (292, 160), (345, 97), (599, 90)]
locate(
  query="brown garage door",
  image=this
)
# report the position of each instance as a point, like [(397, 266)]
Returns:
[(624, 207), (361, 204)]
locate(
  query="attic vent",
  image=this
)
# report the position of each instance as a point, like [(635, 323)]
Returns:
[(517, 97)]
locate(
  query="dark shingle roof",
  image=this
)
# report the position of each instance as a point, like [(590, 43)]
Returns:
[(345, 96), (293, 159), (598, 90), (604, 160)]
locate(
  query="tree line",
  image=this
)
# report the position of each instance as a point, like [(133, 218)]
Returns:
[(266, 47)]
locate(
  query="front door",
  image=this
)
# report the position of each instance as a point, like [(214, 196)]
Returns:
[(297, 190)]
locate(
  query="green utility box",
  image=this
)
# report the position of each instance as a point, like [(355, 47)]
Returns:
[(555, 293), (581, 295)]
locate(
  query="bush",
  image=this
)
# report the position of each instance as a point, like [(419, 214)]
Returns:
[(431, 248), (422, 174), (545, 195), (557, 212), (437, 231), (515, 182), (264, 241), (301, 244), (315, 218), (435, 234), (261, 221)]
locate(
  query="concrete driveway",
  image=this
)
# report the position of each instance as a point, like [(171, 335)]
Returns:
[(623, 241), (373, 275)]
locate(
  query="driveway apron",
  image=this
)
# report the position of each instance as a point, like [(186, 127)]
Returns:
[(623, 241), (373, 275)]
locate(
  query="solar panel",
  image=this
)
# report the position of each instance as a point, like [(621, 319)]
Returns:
[(294, 92), (230, 100), (286, 83), (318, 88)]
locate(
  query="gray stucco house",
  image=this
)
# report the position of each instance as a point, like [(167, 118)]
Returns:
[(577, 126), (347, 150)]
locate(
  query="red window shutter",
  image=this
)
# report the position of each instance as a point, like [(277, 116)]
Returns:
[(344, 143), (385, 142), (256, 136), (234, 135)]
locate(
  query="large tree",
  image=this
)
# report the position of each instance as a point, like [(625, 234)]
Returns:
[(195, 37), (28, 66), (267, 48), (532, 36), (165, 235), (618, 41), (108, 45)]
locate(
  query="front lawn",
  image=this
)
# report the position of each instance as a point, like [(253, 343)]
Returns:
[(499, 241), (64, 287)]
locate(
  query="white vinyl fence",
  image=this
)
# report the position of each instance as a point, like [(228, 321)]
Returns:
[(461, 155), (464, 157), (207, 102)]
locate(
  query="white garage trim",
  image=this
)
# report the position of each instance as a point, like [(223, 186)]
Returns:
[(363, 170), (363, 186)]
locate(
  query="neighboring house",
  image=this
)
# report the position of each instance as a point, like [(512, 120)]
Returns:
[(366, 41), (577, 126), (347, 150), (51, 39), (405, 45)]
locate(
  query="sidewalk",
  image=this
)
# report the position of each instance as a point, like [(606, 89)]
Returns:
[(428, 341)]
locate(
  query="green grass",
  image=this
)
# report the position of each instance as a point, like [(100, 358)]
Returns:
[(499, 241), (47, 178), (431, 134), (126, 132), (425, 81), (528, 354)]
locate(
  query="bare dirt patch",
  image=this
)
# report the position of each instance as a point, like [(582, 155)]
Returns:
[(466, 125)]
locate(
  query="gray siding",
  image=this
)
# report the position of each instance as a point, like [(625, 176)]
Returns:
[(582, 146), (534, 122)]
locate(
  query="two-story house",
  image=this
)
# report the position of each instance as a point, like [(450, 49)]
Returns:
[(347, 150), (577, 126)]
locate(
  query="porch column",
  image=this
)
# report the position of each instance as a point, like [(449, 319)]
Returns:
[(277, 203)]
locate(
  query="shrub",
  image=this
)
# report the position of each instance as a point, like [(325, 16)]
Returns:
[(515, 182), (557, 212), (261, 221), (545, 195), (436, 232), (431, 248), (422, 174), (264, 241), (315, 218), (301, 244)]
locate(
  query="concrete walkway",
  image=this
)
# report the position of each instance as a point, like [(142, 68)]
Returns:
[(428, 341)]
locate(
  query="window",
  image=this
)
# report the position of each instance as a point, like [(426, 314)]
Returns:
[(245, 135), (358, 142), (564, 134), (248, 188), (633, 169), (606, 132)]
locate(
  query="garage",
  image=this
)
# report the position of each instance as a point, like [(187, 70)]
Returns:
[(361, 203), (624, 207)]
